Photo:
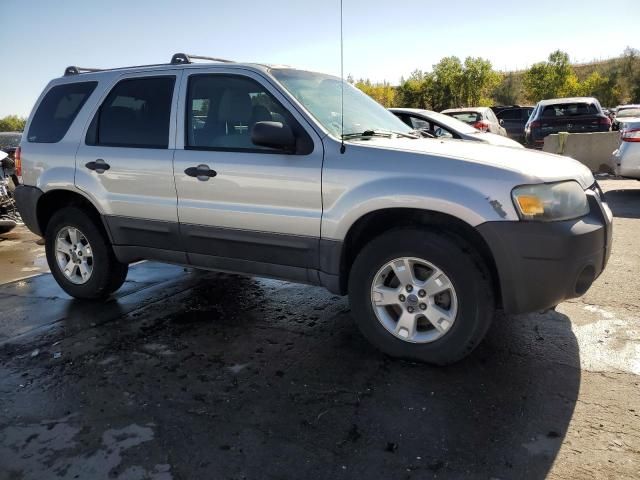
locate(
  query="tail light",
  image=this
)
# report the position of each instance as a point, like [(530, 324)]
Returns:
[(535, 124), (17, 158), (631, 135), (605, 121), (482, 126)]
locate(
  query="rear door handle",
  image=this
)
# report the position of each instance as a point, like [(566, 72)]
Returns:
[(202, 172), (99, 166)]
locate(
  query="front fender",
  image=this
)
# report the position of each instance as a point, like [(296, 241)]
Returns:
[(437, 194)]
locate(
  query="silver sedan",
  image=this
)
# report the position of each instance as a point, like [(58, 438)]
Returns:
[(443, 126), (626, 159)]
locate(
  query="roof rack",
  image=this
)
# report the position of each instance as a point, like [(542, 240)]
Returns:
[(176, 59), (73, 70), (182, 58)]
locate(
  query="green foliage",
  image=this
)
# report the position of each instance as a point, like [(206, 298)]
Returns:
[(448, 83), (551, 79), (383, 93), (453, 83), (509, 90), (12, 123), (415, 90), (478, 80)]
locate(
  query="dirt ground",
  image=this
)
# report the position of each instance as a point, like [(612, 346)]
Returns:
[(185, 374)]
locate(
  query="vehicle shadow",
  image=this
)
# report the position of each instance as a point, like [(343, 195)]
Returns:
[(624, 203), (264, 379)]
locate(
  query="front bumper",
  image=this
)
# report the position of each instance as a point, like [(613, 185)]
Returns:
[(541, 264)]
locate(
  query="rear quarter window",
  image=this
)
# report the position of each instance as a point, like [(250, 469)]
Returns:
[(57, 111)]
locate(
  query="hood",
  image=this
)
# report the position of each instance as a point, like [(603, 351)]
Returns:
[(494, 139), (540, 166)]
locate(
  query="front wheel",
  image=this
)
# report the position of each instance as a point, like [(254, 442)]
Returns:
[(421, 295), (80, 256)]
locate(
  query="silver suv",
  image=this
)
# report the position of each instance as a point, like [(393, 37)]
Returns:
[(253, 169)]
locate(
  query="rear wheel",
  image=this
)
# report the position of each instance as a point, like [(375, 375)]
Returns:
[(80, 256), (421, 295)]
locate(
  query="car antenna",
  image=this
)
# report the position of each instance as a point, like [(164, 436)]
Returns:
[(342, 147)]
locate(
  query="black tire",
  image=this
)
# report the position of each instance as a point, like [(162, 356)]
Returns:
[(458, 261), (108, 274)]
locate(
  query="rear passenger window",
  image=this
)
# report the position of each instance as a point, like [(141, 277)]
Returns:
[(57, 111), (136, 113)]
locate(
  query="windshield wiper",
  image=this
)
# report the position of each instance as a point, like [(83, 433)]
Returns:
[(379, 133)]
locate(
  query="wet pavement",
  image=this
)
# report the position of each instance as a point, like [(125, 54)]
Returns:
[(187, 374), (21, 255)]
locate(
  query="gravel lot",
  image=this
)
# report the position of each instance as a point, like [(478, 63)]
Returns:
[(203, 375)]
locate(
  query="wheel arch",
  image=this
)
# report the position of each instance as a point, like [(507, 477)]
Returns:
[(52, 201), (377, 222)]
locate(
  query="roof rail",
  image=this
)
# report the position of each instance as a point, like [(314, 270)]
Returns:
[(73, 70), (182, 58), (177, 59)]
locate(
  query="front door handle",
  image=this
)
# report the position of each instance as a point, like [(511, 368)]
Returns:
[(202, 172), (99, 166)]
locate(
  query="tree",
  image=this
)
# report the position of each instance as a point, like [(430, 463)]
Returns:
[(551, 79), (383, 93), (508, 90), (605, 89), (414, 92), (12, 123), (478, 81), (447, 86)]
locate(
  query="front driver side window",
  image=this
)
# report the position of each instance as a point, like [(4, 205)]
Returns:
[(222, 110)]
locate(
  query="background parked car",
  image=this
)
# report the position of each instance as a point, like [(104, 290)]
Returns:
[(573, 115), (513, 120), (481, 118), (623, 114), (443, 126), (626, 158), (9, 141)]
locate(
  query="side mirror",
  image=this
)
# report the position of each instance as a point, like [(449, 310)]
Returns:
[(273, 135)]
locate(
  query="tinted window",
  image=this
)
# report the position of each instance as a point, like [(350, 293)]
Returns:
[(569, 110), (57, 111), (135, 114), (222, 110), (509, 115)]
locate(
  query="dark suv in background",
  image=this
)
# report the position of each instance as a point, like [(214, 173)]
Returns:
[(514, 118), (573, 115)]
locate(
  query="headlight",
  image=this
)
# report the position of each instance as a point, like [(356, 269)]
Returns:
[(550, 202)]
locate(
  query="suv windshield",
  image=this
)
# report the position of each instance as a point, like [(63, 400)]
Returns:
[(321, 96)]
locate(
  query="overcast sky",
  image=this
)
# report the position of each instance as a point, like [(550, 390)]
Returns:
[(383, 39)]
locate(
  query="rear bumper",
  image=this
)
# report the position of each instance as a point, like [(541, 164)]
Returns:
[(626, 160), (542, 264), (26, 198)]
